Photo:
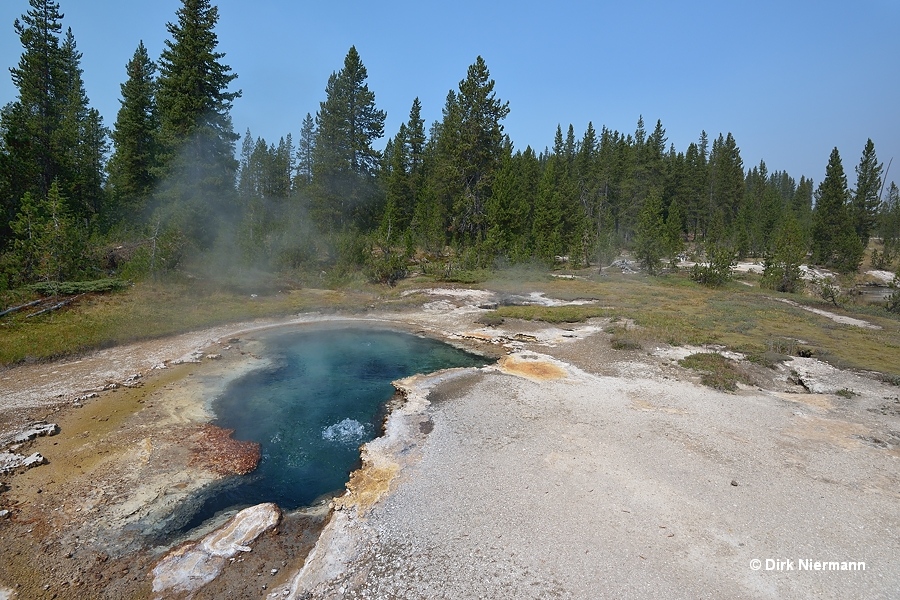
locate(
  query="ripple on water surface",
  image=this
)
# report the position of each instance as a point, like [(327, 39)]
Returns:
[(321, 398)]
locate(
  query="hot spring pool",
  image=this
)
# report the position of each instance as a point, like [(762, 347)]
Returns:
[(321, 398)]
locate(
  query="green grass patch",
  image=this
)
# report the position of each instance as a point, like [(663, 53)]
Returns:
[(151, 310), (70, 288), (716, 371), (552, 314), (466, 276)]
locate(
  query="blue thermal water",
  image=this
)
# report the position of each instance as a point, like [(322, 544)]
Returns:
[(321, 398)]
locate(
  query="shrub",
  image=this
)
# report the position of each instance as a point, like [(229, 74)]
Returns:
[(386, 267), (893, 301), (717, 272), (829, 290)]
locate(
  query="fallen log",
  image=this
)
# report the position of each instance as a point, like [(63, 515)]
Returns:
[(20, 307), (56, 306)]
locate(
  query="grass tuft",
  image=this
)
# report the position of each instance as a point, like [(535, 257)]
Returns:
[(490, 320), (716, 371)]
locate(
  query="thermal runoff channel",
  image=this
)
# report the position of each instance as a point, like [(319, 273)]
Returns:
[(322, 397)]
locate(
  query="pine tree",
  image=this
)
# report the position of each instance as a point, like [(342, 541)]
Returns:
[(196, 129), (415, 138), (651, 240), (547, 215), (344, 161), (399, 201), (510, 209), (133, 167), (478, 152), (726, 179), (403, 171), (864, 200), (247, 183), (305, 152), (48, 245), (587, 175), (889, 223), (697, 206), (611, 157), (674, 230), (49, 131), (82, 132), (283, 167), (781, 270), (35, 117), (802, 202), (90, 153), (760, 213), (416, 148), (834, 239)]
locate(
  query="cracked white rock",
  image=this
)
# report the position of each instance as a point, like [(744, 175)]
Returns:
[(9, 461), (191, 567)]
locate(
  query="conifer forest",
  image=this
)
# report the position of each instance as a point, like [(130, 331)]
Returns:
[(172, 187)]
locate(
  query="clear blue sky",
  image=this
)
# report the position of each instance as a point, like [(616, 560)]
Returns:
[(791, 79)]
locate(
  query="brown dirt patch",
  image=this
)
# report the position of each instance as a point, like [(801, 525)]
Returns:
[(216, 450)]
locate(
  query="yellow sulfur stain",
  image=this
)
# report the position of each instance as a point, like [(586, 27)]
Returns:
[(535, 370), (368, 484)]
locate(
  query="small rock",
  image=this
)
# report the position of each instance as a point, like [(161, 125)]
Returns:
[(213, 356), (273, 571), (4, 513), (10, 461), (34, 430), (734, 482)]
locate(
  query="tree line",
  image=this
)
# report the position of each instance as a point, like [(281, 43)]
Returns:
[(453, 194)]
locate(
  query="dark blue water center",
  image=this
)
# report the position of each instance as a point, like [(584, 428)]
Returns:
[(321, 398)]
